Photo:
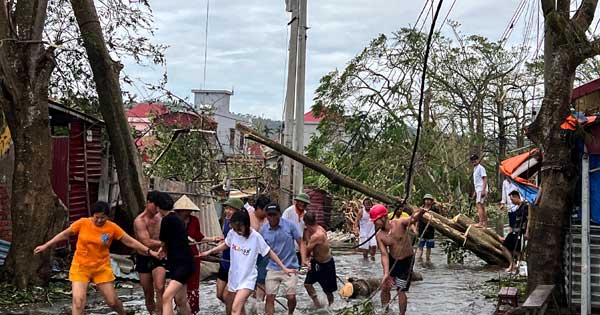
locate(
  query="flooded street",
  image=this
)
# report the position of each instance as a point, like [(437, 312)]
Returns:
[(444, 290)]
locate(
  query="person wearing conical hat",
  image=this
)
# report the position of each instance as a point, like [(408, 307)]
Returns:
[(230, 206), (427, 236), (184, 207)]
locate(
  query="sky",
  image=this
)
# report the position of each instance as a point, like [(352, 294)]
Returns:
[(248, 39)]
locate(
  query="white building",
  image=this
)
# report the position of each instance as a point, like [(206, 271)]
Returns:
[(310, 127), (217, 104)]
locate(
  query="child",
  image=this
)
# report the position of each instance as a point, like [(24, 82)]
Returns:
[(245, 244)]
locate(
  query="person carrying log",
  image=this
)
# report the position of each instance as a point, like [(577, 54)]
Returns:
[(481, 189), (365, 229), (397, 256)]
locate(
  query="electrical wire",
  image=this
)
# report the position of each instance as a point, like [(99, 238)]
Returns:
[(206, 43)]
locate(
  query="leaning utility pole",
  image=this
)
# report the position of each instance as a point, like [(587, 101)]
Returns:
[(290, 97), (300, 87)]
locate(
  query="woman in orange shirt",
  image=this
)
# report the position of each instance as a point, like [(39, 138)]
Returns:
[(91, 262)]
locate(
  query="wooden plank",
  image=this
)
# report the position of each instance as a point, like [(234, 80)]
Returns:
[(538, 297)]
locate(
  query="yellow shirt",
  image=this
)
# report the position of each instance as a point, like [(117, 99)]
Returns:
[(94, 241)]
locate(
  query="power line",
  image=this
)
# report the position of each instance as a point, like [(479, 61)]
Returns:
[(447, 14), (206, 43)]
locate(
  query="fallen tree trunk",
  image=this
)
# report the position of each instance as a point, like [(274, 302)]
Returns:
[(477, 240)]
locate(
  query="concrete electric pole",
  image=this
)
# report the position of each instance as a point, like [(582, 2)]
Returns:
[(300, 88), (290, 98)]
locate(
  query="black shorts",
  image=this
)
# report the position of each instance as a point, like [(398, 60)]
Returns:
[(180, 272), (145, 264), (512, 242), (401, 272), (223, 274), (324, 274)]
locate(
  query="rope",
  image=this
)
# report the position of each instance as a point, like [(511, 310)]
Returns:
[(467, 234)]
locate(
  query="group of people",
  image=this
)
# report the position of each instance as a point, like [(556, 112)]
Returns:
[(264, 249), (262, 252)]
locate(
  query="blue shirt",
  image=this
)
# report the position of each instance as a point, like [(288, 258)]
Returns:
[(281, 239), (225, 257)]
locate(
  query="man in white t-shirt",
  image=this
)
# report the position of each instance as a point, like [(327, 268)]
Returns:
[(506, 203), (364, 228), (295, 213), (481, 189)]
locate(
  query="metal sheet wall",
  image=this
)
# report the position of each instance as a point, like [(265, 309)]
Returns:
[(573, 265)]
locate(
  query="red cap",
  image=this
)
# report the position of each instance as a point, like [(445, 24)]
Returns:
[(377, 211)]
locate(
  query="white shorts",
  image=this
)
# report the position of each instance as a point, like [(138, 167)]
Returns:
[(479, 198), (371, 243)]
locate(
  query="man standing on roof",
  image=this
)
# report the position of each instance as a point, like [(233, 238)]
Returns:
[(365, 229), (481, 189), (295, 214), (151, 270), (427, 233), (397, 257)]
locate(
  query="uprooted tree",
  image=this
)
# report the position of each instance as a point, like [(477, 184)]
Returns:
[(482, 242)]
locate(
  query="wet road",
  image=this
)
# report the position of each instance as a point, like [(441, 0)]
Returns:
[(444, 291)]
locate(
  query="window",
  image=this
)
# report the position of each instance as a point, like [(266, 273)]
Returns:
[(232, 138)]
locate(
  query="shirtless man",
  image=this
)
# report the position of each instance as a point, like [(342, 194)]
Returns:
[(322, 265), (258, 218), (151, 270), (397, 257)]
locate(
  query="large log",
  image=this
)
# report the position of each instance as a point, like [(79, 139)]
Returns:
[(477, 240)]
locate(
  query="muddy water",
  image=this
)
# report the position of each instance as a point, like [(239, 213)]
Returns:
[(444, 290)]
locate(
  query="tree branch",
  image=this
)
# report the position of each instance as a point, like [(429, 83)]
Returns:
[(585, 14), (30, 17), (548, 6)]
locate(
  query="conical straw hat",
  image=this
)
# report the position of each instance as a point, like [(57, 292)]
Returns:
[(185, 203)]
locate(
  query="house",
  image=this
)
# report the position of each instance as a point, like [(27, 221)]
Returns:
[(310, 127), (143, 118), (217, 104), (78, 164), (140, 116)]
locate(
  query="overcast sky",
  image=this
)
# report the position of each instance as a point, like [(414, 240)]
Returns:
[(247, 41)]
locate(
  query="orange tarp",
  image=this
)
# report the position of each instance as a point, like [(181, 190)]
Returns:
[(509, 165), (571, 122)]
